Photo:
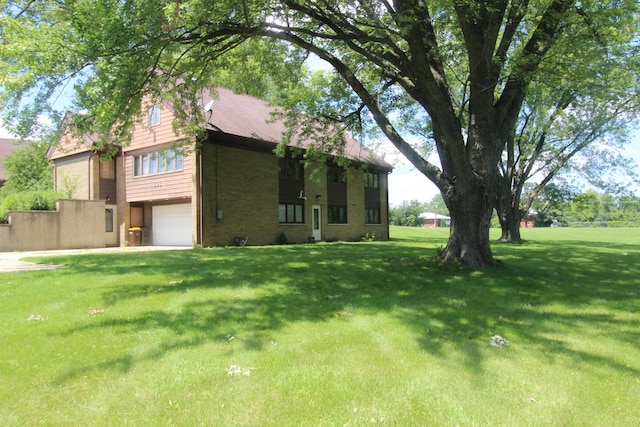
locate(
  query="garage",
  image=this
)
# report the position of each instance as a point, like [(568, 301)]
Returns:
[(172, 225)]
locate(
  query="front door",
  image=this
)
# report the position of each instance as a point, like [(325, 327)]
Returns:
[(317, 222)]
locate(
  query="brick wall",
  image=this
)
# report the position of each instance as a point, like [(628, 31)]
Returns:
[(240, 199), (239, 196)]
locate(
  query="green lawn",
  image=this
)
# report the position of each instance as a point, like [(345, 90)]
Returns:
[(329, 335)]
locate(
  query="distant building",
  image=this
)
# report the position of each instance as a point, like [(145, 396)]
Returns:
[(528, 222), (433, 220)]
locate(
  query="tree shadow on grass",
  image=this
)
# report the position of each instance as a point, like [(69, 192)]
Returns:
[(541, 292)]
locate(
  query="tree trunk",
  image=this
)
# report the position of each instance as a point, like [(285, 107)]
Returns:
[(470, 208), (509, 213), (510, 225)]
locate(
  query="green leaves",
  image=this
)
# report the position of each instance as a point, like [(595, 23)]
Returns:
[(28, 169)]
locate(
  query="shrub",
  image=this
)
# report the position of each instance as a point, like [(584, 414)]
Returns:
[(27, 201), (282, 239)]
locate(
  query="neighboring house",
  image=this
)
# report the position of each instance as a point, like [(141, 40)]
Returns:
[(228, 189), (528, 221), (7, 147), (433, 220)]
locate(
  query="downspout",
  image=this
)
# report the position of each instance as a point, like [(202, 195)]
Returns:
[(55, 176), (89, 176), (386, 187), (200, 199)]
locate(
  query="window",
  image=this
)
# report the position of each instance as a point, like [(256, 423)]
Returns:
[(145, 164), (372, 216), (158, 162), (291, 213), (336, 174), (153, 163), (336, 195), (291, 169), (337, 214), (154, 115), (108, 220), (291, 191), (372, 197), (371, 180)]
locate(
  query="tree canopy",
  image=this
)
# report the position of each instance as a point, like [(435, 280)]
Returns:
[(457, 73), (28, 169)]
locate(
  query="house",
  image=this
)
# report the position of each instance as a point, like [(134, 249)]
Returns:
[(7, 147), (227, 189), (433, 220), (528, 221)]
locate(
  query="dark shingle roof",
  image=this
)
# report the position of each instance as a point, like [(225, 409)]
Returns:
[(249, 117)]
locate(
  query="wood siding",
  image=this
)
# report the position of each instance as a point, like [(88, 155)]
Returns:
[(144, 137), (163, 186)]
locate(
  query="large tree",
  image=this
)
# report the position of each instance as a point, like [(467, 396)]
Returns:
[(570, 138), (572, 126), (458, 70)]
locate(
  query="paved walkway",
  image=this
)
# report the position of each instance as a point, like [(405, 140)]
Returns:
[(12, 261)]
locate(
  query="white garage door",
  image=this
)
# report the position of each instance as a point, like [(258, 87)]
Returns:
[(172, 225)]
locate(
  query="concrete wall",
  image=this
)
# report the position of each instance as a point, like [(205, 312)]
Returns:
[(74, 224)]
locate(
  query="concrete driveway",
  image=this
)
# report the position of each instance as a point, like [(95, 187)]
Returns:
[(12, 261)]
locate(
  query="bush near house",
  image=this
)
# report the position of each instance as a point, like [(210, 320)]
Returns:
[(27, 201)]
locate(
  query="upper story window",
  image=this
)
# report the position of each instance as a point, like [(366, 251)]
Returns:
[(291, 169), (371, 180), (336, 174), (163, 161), (153, 115)]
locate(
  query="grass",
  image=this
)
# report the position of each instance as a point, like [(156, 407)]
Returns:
[(329, 334)]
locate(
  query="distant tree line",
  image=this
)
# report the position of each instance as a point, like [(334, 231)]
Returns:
[(555, 206), (586, 209)]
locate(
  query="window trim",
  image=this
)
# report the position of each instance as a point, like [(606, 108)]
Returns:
[(291, 169), (142, 163), (367, 216), (296, 213), (371, 180), (154, 115), (336, 175), (108, 216), (330, 214)]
